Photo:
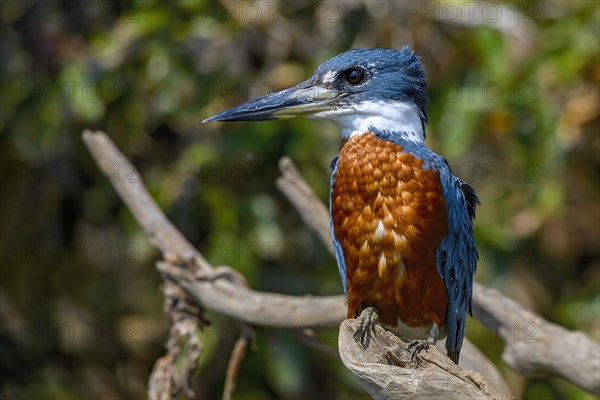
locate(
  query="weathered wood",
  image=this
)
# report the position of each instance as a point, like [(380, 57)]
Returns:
[(571, 355), (221, 290), (384, 367), (224, 296), (536, 347), (129, 185)]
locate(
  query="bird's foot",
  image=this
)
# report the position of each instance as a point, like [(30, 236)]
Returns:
[(420, 345), (366, 324)]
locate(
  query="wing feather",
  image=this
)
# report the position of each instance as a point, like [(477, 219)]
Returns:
[(457, 256)]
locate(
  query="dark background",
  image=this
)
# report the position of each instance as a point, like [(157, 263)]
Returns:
[(514, 105)]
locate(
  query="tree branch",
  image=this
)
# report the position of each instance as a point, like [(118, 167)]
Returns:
[(223, 289), (221, 294), (235, 361), (385, 369), (311, 209), (217, 289), (126, 180), (169, 376), (536, 347)]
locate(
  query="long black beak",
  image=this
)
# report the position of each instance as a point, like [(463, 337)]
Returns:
[(302, 99)]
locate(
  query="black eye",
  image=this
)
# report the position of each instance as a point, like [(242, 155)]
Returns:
[(354, 76)]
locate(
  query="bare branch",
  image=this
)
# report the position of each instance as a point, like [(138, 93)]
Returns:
[(385, 369), (235, 361), (312, 210), (534, 346), (258, 308), (169, 376), (219, 290), (294, 186), (129, 185), (471, 358), (223, 290)]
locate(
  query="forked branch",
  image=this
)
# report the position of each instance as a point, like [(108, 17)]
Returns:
[(571, 355)]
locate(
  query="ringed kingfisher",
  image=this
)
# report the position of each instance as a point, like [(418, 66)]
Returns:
[(401, 222)]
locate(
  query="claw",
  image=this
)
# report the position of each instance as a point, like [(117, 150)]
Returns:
[(420, 345), (366, 324)]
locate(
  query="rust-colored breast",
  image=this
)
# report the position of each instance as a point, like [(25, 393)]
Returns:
[(389, 214)]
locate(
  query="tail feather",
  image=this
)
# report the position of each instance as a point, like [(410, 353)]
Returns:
[(454, 354)]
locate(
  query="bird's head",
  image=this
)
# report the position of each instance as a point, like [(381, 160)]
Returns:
[(358, 90)]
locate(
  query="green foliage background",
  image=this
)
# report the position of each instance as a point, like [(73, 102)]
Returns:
[(514, 105)]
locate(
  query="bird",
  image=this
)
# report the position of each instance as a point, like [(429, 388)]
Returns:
[(401, 221)]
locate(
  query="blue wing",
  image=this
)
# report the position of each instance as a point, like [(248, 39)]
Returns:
[(337, 247), (457, 256)]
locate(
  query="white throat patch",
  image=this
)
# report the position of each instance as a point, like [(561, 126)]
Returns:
[(399, 117)]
